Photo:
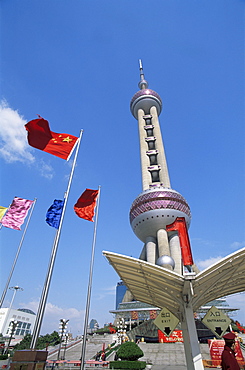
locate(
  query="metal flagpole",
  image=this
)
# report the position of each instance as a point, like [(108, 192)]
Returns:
[(89, 286), (43, 300), (17, 254)]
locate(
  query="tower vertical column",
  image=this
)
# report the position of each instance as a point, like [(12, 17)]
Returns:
[(163, 174), (146, 177)]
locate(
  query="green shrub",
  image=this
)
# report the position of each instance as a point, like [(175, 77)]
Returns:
[(129, 351), (135, 365), (3, 357)]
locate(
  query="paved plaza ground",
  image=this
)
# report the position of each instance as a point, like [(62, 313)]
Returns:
[(172, 367), (169, 356)]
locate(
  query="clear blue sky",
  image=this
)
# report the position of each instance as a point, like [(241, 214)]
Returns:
[(76, 64)]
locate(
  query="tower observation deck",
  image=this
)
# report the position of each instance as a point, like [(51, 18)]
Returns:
[(158, 206)]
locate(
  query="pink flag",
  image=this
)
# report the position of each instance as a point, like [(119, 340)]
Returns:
[(16, 213)]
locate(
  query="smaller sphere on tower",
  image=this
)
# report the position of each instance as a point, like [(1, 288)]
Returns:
[(166, 260)]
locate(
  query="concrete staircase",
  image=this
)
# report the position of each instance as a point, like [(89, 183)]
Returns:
[(168, 353), (74, 349)]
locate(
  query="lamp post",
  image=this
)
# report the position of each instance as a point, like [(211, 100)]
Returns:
[(13, 325), (121, 331), (14, 288), (66, 339), (63, 326)]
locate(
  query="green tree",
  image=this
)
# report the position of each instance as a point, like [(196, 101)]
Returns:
[(24, 344), (42, 342), (48, 339)]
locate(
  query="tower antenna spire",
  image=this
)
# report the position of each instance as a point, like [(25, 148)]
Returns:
[(143, 84)]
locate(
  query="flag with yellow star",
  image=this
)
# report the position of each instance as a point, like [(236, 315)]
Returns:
[(41, 137)]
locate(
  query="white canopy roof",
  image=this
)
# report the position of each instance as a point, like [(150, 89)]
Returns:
[(163, 288)]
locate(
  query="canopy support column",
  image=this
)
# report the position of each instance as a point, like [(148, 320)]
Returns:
[(192, 348)]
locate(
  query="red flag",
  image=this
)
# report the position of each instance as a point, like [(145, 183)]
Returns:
[(40, 137), (85, 205)]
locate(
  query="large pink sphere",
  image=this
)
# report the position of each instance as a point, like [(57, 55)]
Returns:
[(153, 209)]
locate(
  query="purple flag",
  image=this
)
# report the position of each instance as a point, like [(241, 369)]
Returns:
[(16, 213)]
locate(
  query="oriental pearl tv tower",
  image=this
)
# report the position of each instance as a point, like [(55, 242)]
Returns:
[(164, 275), (159, 216)]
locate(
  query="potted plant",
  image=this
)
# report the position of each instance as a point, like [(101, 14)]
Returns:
[(148, 364)]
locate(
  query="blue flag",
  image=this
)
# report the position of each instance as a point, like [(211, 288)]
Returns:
[(54, 213)]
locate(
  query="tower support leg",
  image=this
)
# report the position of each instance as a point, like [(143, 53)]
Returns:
[(150, 249), (192, 348), (143, 253), (175, 252), (163, 245), (162, 240)]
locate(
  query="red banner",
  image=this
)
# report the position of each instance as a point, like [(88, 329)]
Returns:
[(153, 314), (180, 225), (176, 336), (134, 315)]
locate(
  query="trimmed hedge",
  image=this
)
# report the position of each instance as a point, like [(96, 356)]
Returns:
[(129, 351), (135, 365), (3, 357)]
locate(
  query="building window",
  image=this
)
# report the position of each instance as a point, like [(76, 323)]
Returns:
[(155, 176), (151, 143), (153, 159)]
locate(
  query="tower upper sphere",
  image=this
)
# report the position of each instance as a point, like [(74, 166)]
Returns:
[(144, 98)]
